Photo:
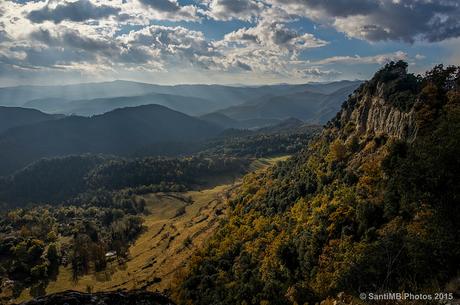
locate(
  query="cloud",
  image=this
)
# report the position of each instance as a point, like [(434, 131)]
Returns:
[(162, 5), (268, 47), (351, 60), (64, 47), (380, 20), (234, 9), (81, 10), (174, 45), (171, 10), (272, 42), (3, 34), (273, 35), (337, 8), (317, 73)]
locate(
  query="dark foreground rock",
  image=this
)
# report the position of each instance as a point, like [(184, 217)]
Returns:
[(137, 297)]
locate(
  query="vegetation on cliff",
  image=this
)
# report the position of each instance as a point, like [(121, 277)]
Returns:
[(371, 205)]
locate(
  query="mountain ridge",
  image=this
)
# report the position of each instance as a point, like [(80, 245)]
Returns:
[(120, 131), (309, 106), (11, 117), (221, 94)]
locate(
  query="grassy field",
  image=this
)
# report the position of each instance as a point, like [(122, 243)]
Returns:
[(177, 224)]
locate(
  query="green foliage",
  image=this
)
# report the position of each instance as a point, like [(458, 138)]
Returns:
[(89, 177), (83, 235), (400, 87), (263, 143), (163, 172), (49, 180)]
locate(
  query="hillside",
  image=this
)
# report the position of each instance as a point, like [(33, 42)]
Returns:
[(11, 117), (309, 106), (120, 132), (371, 205), (226, 122), (220, 119)]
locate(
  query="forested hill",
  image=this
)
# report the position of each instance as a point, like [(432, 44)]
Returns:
[(11, 117), (120, 132), (371, 205)]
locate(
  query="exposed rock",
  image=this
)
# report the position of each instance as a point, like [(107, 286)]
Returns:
[(384, 105), (135, 297), (374, 115)]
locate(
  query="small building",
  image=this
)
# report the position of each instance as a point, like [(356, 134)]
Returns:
[(111, 255)]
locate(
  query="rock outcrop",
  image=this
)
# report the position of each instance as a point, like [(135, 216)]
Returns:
[(376, 116), (371, 109)]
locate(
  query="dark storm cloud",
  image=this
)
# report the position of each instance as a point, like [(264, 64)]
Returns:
[(81, 10)]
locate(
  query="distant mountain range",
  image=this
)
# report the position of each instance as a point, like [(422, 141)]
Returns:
[(188, 105), (120, 132), (125, 118), (310, 106), (250, 107)]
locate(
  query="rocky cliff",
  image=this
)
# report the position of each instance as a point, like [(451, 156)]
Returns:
[(382, 106)]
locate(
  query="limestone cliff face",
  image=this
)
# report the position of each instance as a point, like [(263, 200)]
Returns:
[(370, 112), (374, 115)]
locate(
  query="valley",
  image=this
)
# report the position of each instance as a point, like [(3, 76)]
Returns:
[(175, 226)]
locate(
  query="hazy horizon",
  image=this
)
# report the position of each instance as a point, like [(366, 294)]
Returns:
[(182, 84)]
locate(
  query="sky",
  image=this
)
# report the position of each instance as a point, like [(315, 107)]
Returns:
[(245, 42)]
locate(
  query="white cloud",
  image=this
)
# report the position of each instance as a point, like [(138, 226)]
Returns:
[(234, 9), (274, 36), (351, 60), (316, 74)]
